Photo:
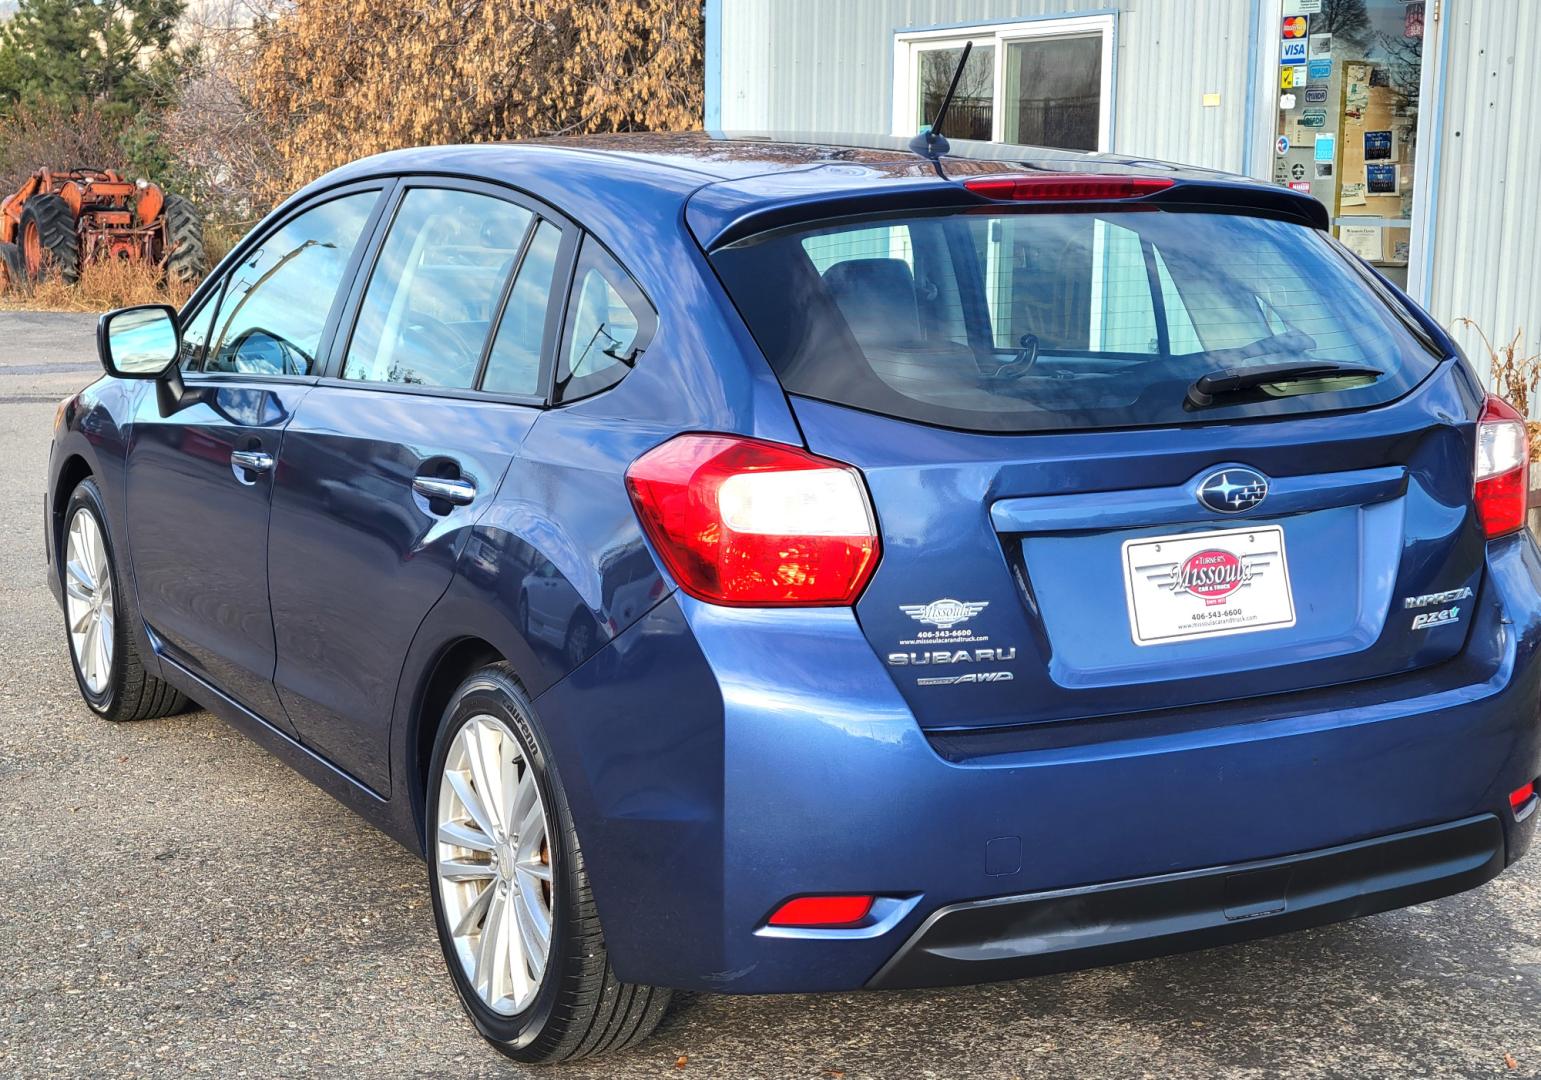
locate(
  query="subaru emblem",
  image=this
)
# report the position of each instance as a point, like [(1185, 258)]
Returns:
[(1230, 491)]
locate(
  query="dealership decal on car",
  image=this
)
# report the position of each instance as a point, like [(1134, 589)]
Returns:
[(1207, 584), (946, 644), (945, 613)]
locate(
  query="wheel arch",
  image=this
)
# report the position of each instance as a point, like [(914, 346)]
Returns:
[(456, 661), (72, 471)]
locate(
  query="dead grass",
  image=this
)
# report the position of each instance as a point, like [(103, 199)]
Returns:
[(102, 287)]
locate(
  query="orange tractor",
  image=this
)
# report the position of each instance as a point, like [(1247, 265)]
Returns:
[(59, 221)]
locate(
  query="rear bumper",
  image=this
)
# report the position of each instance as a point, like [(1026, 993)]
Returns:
[(1013, 936), (720, 761)]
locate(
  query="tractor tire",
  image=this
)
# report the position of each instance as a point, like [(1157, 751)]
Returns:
[(48, 240), (186, 260), (13, 270)]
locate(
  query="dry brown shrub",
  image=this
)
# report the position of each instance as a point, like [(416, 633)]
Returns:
[(33, 136), (341, 79), (102, 287), (1514, 377)]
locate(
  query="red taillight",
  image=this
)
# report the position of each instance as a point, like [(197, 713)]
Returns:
[(1502, 468), (1520, 796), (825, 911), (752, 524), (1066, 188)]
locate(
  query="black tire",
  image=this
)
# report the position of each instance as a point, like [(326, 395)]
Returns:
[(13, 269), (581, 1008), (58, 245), (131, 693), (186, 259)]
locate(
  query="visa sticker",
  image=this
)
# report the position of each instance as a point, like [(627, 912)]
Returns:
[(1292, 52)]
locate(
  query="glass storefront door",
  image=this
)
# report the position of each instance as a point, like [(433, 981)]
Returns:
[(1350, 78)]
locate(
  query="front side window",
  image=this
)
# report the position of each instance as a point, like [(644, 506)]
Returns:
[(434, 289), (1042, 83), (276, 304), (1049, 321), (609, 323)]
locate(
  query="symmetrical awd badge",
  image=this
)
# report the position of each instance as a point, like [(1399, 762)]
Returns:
[(1232, 490)]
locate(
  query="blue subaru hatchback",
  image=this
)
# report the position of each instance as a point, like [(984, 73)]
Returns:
[(753, 566)]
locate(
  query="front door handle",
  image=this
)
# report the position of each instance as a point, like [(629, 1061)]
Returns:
[(252, 460), (457, 490)]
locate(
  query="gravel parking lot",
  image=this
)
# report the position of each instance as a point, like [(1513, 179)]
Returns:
[(172, 900)]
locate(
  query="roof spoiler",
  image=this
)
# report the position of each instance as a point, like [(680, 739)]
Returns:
[(724, 213)]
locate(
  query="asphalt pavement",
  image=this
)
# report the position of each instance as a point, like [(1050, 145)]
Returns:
[(174, 901)]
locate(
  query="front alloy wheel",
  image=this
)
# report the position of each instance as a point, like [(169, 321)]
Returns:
[(98, 615), (494, 865), (88, 601)]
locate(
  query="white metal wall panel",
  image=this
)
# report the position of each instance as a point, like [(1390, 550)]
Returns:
[(1487, 224), (818, 65), (1172, 53)]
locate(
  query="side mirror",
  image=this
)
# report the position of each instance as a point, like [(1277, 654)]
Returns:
[(139, 342)]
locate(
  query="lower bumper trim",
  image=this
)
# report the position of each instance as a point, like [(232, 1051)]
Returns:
[(1039, 933)]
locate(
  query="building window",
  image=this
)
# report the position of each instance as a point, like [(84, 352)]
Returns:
[(1047, 82)]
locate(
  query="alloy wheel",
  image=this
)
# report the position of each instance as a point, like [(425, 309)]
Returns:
[(89, 601), (493, 865)]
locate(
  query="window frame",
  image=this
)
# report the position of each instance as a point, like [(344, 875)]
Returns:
[(212, 291), (334, 355), (909, 44)]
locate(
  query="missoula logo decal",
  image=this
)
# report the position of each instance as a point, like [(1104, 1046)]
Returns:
[(944, 613), (1212, 575)]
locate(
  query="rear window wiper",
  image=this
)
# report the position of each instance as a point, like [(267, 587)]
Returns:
[(1224, 381)]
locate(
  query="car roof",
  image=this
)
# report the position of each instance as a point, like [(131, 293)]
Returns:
[(735, 182)]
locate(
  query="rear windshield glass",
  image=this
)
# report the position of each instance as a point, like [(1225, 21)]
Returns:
[(1034, 321)]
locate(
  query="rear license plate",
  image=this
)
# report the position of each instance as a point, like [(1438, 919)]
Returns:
[(1200, 585)]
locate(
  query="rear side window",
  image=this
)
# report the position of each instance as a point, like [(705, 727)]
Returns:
[(277, 301), (1034, 321), (430, 300), (609, 323), (513, 365)]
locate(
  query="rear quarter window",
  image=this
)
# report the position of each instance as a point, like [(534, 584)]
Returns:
[(1037, 321), (609, 324)]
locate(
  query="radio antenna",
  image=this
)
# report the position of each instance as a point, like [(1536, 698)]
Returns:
[(929, 142)]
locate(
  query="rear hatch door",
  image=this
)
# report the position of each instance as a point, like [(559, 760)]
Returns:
[(1066, 534)]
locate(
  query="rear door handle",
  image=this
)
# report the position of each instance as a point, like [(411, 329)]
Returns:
[(457, 490), (255, 460)]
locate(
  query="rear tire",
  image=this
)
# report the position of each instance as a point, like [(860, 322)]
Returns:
[(48, 239), (577, 1007), (186, 259), (13, 269), (107, 666)]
